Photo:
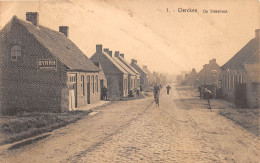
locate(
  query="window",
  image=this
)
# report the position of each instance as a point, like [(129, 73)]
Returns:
[(83, 85), (93, 85), (16, 53), (96, 83)]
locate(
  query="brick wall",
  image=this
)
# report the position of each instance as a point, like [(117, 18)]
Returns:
[(23, 85)]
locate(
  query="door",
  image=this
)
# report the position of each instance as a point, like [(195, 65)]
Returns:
[(240, 95), (72, 91), (88, 89), (101, 88), (71, 100)]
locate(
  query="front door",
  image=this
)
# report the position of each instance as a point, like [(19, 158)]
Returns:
[(101, 88), (72, 91), (88, 89)]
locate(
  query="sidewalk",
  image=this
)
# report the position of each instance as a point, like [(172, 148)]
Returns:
[(94, 105), (245, 117)]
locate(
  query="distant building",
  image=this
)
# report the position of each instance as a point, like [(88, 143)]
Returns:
[(136, 84), (42, 70), (209, 74), (240, 79), (131, 73), (192, 78), (117, 77), (143, 74), (151, 76)]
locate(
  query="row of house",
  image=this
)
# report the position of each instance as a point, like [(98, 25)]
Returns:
[(237, 81), (43, 70)]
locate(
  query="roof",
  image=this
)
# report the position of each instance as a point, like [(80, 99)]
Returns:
[(147, 71), (124, 66), (247, 54), (60, 47), (111, 60), (139, 68), (128, 65)]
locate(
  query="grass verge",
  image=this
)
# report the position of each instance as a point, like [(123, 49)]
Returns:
[(16, 128)]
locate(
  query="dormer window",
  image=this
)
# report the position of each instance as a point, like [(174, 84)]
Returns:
[(16, 53)]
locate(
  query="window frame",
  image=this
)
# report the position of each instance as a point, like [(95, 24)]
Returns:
[(16, 51)]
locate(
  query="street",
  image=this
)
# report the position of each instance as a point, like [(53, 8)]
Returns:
[(139, 131)]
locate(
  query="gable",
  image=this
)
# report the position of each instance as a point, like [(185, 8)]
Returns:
[(60, 47)]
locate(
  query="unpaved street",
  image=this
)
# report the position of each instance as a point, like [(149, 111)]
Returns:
[(139, 131)]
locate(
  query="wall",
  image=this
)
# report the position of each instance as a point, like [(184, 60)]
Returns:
[(24, 86)]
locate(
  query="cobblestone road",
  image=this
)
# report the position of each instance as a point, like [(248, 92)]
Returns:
[(138, 131)]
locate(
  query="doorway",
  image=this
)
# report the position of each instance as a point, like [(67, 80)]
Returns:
[(88, 89)]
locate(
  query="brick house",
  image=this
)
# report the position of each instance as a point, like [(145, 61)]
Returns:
[(117, 77), (121, 57), (151, 76), (210, 73), (192, 78), (143, 74), (131, 74), (43, 70), (239, 76)]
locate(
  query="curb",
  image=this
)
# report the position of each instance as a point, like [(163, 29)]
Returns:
[(27, 141)]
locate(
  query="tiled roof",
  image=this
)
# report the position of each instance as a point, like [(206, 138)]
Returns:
[(128, 65), (111, 60), (124, 66), (60, 47), (139, 67), (247, 54)]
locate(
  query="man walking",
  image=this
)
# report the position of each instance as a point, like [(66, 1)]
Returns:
[(168, 89)]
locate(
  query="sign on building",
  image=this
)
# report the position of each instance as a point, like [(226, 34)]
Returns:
[(47, 64)]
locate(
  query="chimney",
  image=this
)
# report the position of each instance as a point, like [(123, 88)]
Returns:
[(106, 50), (122, 55), (212, 61), (133, 61), (116, 53), (64, 30), (33, 17), (110, 53), (145, 67), (99, 48)]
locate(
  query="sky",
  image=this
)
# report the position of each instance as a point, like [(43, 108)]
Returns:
[(154, 32)]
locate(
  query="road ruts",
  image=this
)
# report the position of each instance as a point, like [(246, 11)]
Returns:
[(170, 134)]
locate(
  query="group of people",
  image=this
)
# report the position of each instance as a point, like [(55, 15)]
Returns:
[(205, 93)]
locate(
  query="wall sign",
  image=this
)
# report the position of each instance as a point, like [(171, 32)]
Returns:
[(47, 64)]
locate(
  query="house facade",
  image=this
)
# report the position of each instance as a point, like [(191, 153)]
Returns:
[(151, 76), (117, 77), (192, 78), (42, 70), (209, 73), (239, 78), (143, 74), (137, 76), (131, 75)]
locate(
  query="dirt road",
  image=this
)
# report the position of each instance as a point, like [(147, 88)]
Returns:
[(138, 131)]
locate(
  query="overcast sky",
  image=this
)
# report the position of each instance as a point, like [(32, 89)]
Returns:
[(153, 32)]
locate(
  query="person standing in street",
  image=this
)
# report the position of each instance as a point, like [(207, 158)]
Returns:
[(207, 95), (168, 89), (141, 88)]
